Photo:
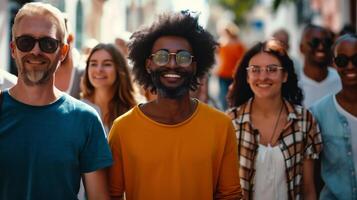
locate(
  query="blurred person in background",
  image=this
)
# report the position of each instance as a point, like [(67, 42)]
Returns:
[(7, 79), (337, 117), (230, 51), (202, 91), (141, 95), (68, 75), (283, 36), (278, 139), (317, 78), (121, 44), (107, 84)]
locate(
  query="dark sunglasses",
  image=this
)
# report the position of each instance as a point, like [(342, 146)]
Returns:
[(26, 43), (162, 57), (341, 60), (315, 42)]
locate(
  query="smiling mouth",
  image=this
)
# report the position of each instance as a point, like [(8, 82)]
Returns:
[(351, 75), (99, 77), (320, 54), (263, 85), (176, 76), (35, 62)]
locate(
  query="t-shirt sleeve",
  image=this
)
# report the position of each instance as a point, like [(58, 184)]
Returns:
[(228, 182), (116, 173), (95, 154), (313, 144)]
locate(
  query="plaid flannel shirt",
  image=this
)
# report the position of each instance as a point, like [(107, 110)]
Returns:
[(299, 140)]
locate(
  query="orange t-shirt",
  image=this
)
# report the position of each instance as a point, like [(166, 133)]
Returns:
[(228, 57), (195, 159)]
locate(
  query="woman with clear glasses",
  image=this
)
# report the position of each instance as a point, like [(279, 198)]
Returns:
[(277, 138)]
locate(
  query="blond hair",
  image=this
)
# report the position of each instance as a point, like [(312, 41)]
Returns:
[(44, 10)]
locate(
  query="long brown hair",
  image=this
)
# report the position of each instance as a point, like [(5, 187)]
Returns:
[(123, 98)]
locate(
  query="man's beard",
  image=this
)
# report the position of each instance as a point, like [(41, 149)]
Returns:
[(172, 92), (36, 76)]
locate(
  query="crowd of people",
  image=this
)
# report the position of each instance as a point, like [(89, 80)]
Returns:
[(144, 131)]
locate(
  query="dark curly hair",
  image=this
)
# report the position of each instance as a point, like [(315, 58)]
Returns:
[(182, 24), (241, 91)]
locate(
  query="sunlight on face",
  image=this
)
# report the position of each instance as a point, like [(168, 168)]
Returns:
[(101, 70), (266, 83)]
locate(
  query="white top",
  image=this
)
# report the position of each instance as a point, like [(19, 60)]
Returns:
[(352, 123), (314, 90), (270, 178)]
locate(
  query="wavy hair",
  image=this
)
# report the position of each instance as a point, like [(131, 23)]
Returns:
[(241, 91), (123, 98), (182, 24)]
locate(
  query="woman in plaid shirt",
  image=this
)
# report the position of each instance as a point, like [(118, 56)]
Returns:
[(277, 138)]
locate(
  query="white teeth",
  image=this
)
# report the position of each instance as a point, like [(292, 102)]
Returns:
[(172, 76), (351, 75), (320, 54), (99, 77), (264, 85), (34, 62)]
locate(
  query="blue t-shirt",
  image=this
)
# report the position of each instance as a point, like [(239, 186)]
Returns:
[(44, 149)]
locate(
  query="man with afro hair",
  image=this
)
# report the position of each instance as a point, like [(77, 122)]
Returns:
[(173, 147)]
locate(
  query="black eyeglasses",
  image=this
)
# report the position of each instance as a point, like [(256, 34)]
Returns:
[(342, 60), (162, 57), (26, 43), (315, 42)]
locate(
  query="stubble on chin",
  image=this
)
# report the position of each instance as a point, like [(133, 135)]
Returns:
[(168, 92), (36, 76)]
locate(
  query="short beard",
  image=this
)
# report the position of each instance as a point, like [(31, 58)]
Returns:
[(37, 77), (172, 92)]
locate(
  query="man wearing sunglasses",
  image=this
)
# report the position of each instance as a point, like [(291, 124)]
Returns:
[(337, 117), (48, 140), (317, 79), (174, 147)]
